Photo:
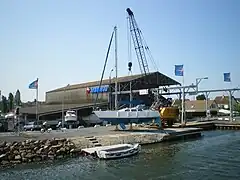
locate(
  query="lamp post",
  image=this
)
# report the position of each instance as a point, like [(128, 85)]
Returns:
[(64, 90), (110, 89), (198, 80)]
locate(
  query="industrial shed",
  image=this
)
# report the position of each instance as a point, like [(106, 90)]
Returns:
[(86, 92), (81, 97)]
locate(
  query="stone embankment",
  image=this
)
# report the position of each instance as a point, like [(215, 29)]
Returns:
[(36, 150)]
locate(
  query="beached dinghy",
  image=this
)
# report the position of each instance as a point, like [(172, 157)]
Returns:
[(118, 151)]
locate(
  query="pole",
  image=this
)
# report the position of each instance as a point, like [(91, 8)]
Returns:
[(206, 105), (230, 106), (183, 104), (130, 90), (197, 85), (64, 90), (110, 93), (18, 122), (37, 102), (63, 109), (116, 70)]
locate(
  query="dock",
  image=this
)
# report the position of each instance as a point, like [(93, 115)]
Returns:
[(212, 125), (141, 136)]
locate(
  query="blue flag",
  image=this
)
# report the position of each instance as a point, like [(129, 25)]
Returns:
[(226, 77), (33, 85), (179, 70)]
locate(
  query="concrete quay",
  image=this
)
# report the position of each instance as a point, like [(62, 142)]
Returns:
[(211, 124), (35, 146), (101, 136)]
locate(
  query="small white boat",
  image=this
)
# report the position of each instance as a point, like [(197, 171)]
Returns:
[(118, 151), (70, 116)]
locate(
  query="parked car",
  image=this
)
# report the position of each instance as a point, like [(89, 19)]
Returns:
[(32, 126)]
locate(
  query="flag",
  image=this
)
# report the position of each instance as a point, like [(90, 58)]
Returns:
[(226, 77), (179, 70), (33, 85)]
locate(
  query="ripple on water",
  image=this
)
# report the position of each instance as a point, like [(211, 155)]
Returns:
[(216, 156)]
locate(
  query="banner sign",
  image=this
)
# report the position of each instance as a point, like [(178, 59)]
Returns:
[(102, 89)]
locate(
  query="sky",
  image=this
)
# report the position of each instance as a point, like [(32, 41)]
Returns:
[(65, 42)]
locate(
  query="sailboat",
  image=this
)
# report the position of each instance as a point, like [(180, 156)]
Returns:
[(136, 114)]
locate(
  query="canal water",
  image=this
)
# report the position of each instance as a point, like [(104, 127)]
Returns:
[(216, 156)]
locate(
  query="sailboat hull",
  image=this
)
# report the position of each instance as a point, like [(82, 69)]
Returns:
[(116, 117)]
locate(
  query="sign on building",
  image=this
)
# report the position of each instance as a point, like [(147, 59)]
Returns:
[(102, 89), (143, 91)]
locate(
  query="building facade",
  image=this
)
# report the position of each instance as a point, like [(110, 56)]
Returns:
[(87, 92), (78, 95)]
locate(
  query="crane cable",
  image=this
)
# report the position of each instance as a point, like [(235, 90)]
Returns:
[(149, 53), (129, 41)]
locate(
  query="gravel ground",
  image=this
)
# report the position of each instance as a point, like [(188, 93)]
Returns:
[(102, 130)]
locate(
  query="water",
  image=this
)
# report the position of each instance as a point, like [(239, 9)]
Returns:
[(215, 156)]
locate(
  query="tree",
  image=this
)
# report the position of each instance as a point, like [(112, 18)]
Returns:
[(10, 101), (201, 97), (4, 106), (237, 107), (17, 98)]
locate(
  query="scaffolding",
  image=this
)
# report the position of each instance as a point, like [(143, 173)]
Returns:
[(183, 90)]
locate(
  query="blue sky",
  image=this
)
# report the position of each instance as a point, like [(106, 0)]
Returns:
[(63, 42)]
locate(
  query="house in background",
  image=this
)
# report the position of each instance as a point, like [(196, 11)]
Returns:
[(223, 102), (197, 108)]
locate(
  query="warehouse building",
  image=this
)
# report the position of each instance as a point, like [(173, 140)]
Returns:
[(86, 92), (81, 97)]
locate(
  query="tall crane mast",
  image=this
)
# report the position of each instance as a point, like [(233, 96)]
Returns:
[(140, 46), (138, 43)]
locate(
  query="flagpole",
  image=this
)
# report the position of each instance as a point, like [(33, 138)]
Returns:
[(183, 101), (37, 102)]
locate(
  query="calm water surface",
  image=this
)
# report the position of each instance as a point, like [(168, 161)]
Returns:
[(215, 156)]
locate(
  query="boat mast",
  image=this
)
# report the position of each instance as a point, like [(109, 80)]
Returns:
[(116, 70)]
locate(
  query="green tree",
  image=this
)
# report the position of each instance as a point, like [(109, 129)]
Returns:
[(237, 107), (4, 106), (17, 98), (201, 97), (10, 101)]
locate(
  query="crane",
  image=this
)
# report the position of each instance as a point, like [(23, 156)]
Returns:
[(167, 113), (138, 43)]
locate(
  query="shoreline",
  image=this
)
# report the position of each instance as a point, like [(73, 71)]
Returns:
[(44, 147), (37, 147)]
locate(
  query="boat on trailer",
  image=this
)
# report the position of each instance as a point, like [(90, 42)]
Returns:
[(114, 151)]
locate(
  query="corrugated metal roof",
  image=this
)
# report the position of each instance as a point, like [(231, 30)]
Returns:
[(120, 80), (96, 83), (45, 108)]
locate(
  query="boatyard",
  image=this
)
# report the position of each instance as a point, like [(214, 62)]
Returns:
[(83, 96), (88, 140)]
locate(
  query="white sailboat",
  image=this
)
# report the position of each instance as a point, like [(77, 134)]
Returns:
[(128, 115)]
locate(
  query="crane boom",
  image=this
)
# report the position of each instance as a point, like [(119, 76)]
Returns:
[(138, 43), (140, 47)]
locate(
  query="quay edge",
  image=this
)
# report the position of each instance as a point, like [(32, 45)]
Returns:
[(212, 125), (141, 137), (27, 151)]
